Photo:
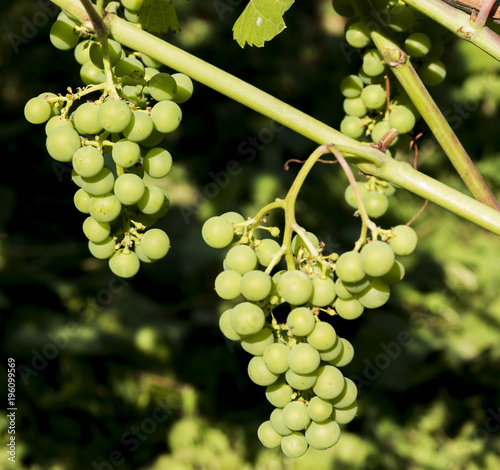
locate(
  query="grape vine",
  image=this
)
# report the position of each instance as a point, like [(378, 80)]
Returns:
[(289, 296)]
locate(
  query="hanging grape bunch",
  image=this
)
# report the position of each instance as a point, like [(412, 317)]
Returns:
[(287, 316), (113, 140), (373, 100)]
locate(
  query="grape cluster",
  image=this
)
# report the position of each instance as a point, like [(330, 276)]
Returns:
[(375, 195), (371, 108), (114, 144), (296, 355)]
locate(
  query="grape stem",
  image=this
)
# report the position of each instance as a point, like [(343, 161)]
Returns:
[(369, 160), (402, 68), (94, 13)]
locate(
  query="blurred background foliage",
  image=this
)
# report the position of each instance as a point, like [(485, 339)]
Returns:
[(136, 375)]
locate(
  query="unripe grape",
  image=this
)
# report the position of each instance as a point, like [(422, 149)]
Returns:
[(124, 264), (37, 110), (155, 244), (404, 240)]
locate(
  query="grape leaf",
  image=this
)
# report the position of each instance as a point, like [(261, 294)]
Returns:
[(158, 16), (261, 21)]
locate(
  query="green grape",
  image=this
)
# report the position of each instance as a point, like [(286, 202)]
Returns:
[(376, 204), (90, 74), (323, 435), (402, 119), (357, 287), (319, 410), (241, 258), (400, 18), (395, 275), (373, 63), (96, 53), (166, 116), (62, 143), (184, 88), (162, 86), (37, 110), (351, 86), (155, 243), (370, 80), (379, 130), (323, 291), (373, 96), (377, 258), (341, 291), (300, 381), (126, 153), (226, 327), (154, 139), (76, 178), (294, 445), (131, 16), (266, 250), (157, 163), (63, 35), (349, 267), (300, 321), (139, 127), (99, 184), (134, 94), (133, 5), (105, 208), (295, 416), (348, 395), (88, 161), (96, 231), (303, 359), (57, 121), (114, 115), (102, 250), (86, 120), (357, 35), (346, 355), (322, 337), (256, 344), (82, 51), (149, 62), (129, 189), (268, 436), (277, 422), (298, 242), (330, 382), (129, 67), (279, 394), (233, 217), (276, 358), (333, 352), (418, 44), (255, 285), (152, 201), (259, 373), (345, 415), (217, 232), (432, 72), (376, 295), (124, 264), (352, 126), (350, 196), (404, 240), (355, 107), (227, 284), (81, 200), (295, 287), (247, 318), (348, 309), (140, 254)]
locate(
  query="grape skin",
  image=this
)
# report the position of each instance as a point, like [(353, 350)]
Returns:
[(155, 243), (123, 264), (217, 232)]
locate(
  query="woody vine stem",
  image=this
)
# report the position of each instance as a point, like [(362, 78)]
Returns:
[(368, 159)]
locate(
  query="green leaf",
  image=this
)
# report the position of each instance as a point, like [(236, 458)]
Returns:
[(261, 21), (158, 16)]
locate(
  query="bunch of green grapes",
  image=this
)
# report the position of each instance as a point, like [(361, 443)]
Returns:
[(114, 144), (276, 317), (371, 108)]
